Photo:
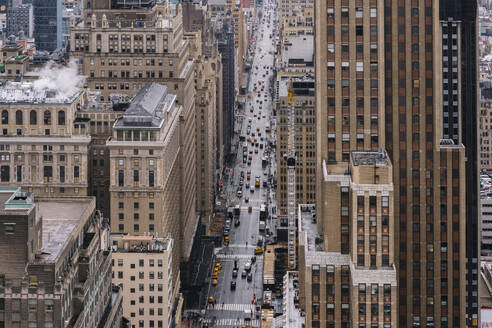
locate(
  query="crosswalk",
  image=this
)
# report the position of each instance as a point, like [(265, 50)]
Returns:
[(231, 307), (232, 256), (232, 322)]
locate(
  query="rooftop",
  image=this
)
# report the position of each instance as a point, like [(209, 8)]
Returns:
[(147, 107), (27, 92), (381, 275), (292, 312), (61, 217), (12, 198), (140, 244), (303, 85), (299, 50), (378, 158), (308, 227)]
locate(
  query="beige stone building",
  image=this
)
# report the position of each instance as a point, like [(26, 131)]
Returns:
[(349, 270), (121, 50), (99, 118), (43, 148), (145, 166), (378, 86), (142, 266), (305, 141), (485, 143), (206, 106)]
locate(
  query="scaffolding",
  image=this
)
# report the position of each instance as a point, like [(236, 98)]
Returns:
[(291, 181)]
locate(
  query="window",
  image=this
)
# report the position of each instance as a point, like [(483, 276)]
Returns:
[(18, 117), (76, 171), (33, 117), (19, 173), (61, 117), (121, 178), (48, 305), (135, 176), (5, 117), (47, 117), (32, 305), (151, 178), (62, 173), (5, 173)]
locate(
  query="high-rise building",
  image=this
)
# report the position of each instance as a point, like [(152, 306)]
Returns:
[(460, 121), (305, 141), (20, 18), (121, 49), (379, 88), (47, 24), (56, 259), (206, 109), (145, 166), (226, 49), (43, 149), (484, 133), (142, 266)]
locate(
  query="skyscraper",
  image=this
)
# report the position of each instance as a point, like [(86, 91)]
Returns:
[(379, 86), (47, 24), (459, 28)]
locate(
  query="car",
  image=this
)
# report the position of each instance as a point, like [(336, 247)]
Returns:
[(250, 277), (246, 199), (237, 222), (234, 273), (247, 266), (258, 251), (244, 274), (218, 265), (215, 275), (253, 259), (240, 192), (211, 300), (214, 282), (256, 150), (233, 285), (261, 146), (252, 188), (241, 183)]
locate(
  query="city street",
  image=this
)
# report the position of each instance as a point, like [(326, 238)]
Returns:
[(233, 308)]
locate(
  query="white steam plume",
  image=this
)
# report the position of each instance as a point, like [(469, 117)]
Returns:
[(65, 80)]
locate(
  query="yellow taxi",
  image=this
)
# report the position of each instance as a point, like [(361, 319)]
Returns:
[(216, 270), (218, 265), (215, 275), (250, 209), (211, 300), (214, 282), (258, 251)]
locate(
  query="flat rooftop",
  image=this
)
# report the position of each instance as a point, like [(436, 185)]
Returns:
[(292, 311), (299, 50), (60, 219), (378, 158), (309, 226), (26, 92)]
